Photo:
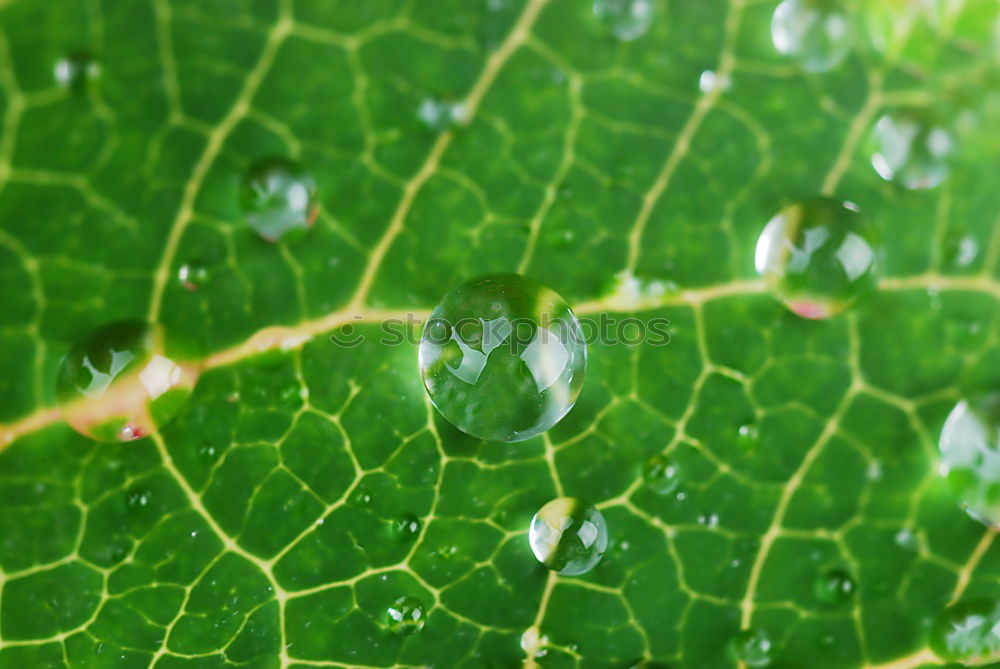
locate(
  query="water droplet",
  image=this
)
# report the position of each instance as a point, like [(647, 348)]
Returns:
[(814, 33), (960, 250), (533, 642), (625, 19), (912, 150), (568, 536), (406, 615), (278, 199), (752, 647), (834, 586), (192, 275), (439, 116), (406, 527), (137, 498), (970, 456), (907, 540), (968, 632), (661, 474), (818, 256), (75, 69), (503, 357), (748, 435), (712, 81), (116, 385)]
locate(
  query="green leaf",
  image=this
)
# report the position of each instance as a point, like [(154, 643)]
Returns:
[(261, 528)]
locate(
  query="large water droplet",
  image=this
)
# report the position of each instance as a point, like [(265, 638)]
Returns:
[(568, 536), (912, 150), (278, 198), (818, 256), (834, 587), (968, 632), (625, 19), (752, 647), (661, 474), (406, 615), (116, 384), (815, 33), (970, 456), (503, 357), (75, 69)]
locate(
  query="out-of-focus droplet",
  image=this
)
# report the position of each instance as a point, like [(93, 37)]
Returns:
[(970, 456), (752, 647), (75, 69), (968, 632), (625, 19), (439, 115), (912, 150), (814, 33), (278, 199)]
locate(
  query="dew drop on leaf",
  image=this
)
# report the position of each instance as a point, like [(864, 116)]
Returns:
[(661, 475), (278, 199), (406, 615), (968, 632), (818, 256), (834, 586), (116, 385), (970, 456), (752, 647), (568, 536), (75, 69), (814, 33), (911, 149), (625, 19), (406, 527), (192, 275), (503, 357), (748, 435), (438, 115)]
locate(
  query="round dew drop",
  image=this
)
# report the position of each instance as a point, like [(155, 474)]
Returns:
[(970, 456), (116, 385), (75, 69), (834, 587), (625, 19), (503, 358), (818, 256), (278, 199), (568, 536), (406, 616), (661, 474), (752, 647), (909, 149), (968, 632), (814, 33)]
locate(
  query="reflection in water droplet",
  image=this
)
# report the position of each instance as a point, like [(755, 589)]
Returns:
[(278, 199), (568, 536), (818, 256), (661, 474), (748, 435), (406, 527), (192, 275), (752, 647), (970, 456), (439, 116), (834, 587), (910, 149), (960, 250), (503, 374), (75, 69), (406, 615), (533, 643), (907, 540), (712, 81), (625, 19), (116, 385), (137, 498), (815, 33), (968, 632)]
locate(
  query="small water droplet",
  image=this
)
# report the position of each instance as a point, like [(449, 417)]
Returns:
[(625, 19), (907, 540), (748, 435), (439, 115), (814, 33), (116, 385), (137, 498), (752, 647), (661, 474), (712, 81), (192, 275), (533, 642), (75, 69), (960, 250), (970, 456), (406, 616), (911, 149), (568, 536), (968, 632), (709, 520), (508, 374), (834, 586), (406, 527), (278, 199), (818, 256)]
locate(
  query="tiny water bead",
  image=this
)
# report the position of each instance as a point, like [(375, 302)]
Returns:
[(752, 647), (568, 536), (278, 199), (406, 615), (625, 19), (503, 357), (814, 33), (406, 527), (834, 587), (748, 435), (192, 275), (661, 474), (818, 256), (439, 115), (75, 69), (116, 385), (968, 632), (970, 456), (912, 150)]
